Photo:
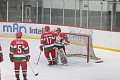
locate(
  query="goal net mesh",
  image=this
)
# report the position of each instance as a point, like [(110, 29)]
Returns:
[(80, 45)]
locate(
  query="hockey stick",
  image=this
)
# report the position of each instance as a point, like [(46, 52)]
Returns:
[(32, 69), (39, 58)]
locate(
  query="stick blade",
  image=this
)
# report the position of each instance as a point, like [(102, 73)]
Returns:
[(36, 74), (35, 63)]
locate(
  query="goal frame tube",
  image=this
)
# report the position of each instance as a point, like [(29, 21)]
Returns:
[(88, 43)]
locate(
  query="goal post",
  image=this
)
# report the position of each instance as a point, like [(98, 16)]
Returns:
[(80, 45)]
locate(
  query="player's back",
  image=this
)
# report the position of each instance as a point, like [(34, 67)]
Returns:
[(48, 38), (18, 46), (48, 34), (18, 50)]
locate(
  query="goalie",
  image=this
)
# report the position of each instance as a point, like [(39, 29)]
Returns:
[(61, 41)]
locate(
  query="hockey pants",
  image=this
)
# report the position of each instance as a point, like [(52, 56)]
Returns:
[(47, 54)]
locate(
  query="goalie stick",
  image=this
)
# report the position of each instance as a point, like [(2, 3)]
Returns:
[(98, 61)]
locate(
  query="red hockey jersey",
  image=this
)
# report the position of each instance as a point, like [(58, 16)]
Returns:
[(48, 40), (60, 38), (19, 49)]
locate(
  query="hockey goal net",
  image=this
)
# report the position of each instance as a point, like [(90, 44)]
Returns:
[(80, 45)]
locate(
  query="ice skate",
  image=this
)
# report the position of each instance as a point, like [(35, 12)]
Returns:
[(54, 62), (50, 63), (18, 79), (25, 79)]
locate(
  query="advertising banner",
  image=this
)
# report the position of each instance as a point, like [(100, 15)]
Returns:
[(28, 29), (100, 38)]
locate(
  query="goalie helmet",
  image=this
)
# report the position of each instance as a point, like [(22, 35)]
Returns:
[(18, 34), (47, 28), (58, 29)]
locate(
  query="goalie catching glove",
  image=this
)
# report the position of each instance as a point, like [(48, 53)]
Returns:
[(61, 40), (64, 42)]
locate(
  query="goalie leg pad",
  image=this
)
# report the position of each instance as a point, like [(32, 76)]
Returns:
[(62, 57)]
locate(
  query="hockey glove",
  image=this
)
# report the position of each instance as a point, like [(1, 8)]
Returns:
[(11, 59), (61, 40), (1, 58), (41, 48), (68, 41), (27, 58)]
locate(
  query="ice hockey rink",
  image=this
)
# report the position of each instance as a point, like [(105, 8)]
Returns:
[(77, 68)]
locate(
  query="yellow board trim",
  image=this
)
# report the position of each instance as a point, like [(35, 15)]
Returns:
[(105, 48), (24, 37), (37, 38)]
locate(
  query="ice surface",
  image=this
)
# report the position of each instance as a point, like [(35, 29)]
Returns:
[(77, 68)]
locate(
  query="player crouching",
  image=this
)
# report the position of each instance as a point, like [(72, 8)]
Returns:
[(61, 41), (19, 55)]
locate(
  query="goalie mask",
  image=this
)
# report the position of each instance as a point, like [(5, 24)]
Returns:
[(58, 30)]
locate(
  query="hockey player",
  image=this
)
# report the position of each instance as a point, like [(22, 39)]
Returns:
[(47, 41), (60, 37), (19, 55), (1, 55), (61, 41)]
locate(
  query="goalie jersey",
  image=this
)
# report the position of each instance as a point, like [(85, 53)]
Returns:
[(60, 39)]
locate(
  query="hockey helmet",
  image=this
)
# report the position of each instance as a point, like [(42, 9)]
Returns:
[(47, 28), (18, 34)]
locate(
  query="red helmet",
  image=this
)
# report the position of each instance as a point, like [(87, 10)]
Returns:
[(47, 28), (58, 29), (18, 34)]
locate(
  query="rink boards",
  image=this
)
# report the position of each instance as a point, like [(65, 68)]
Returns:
[(101, 39)]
